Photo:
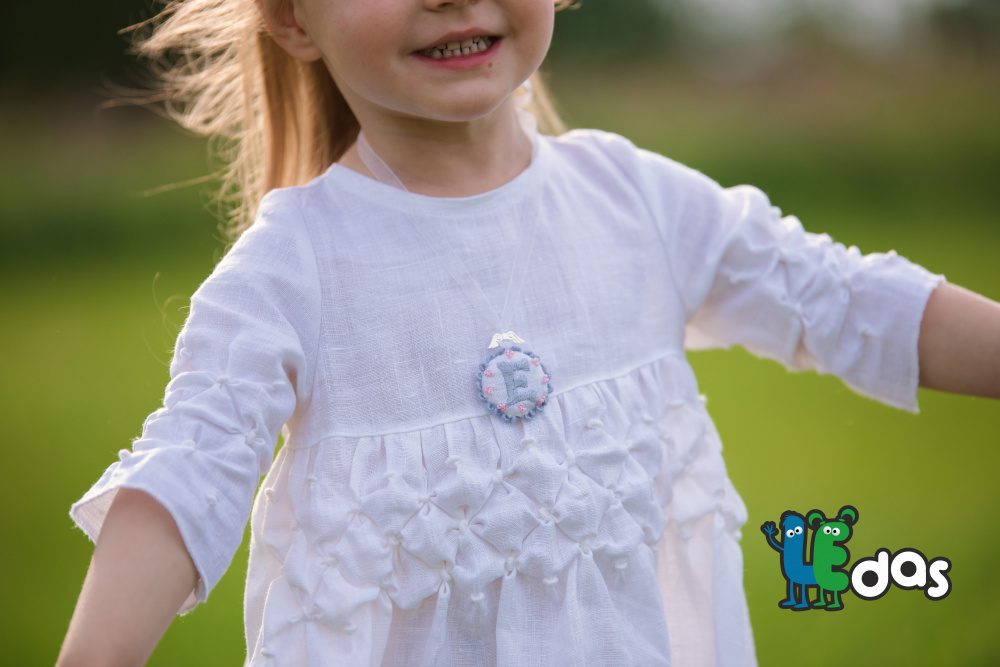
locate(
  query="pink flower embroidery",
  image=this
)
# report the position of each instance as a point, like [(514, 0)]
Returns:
[(536, 360), (540, 401), (488, 373), (502, 407)]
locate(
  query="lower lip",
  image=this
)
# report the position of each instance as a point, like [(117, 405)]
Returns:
[(471, 61)]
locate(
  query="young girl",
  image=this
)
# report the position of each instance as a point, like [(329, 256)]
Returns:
[(496, 452)]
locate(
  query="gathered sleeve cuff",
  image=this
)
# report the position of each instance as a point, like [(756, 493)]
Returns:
[(242, 364)]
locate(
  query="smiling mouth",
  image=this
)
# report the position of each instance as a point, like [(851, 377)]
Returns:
[(457, 49)]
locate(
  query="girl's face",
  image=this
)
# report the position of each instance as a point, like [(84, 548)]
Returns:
[(381, 53)]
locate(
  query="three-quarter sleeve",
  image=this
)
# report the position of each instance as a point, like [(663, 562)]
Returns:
[(804, 300), (745, 275), (242, 363)]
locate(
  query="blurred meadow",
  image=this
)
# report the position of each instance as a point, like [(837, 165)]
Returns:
[(884, 143)]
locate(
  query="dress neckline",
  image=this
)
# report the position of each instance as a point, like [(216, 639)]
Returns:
[(530, 179)]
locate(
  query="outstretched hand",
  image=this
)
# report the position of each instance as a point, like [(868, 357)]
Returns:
[(769, 528)]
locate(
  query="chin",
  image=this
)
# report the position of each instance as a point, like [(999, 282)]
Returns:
[(474, 108)]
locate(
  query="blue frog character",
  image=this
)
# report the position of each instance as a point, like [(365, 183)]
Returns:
[(792, 548)]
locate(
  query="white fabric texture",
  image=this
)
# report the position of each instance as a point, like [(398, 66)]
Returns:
[(401, 523)]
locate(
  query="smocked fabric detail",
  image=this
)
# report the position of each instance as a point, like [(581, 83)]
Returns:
[(512, 511)]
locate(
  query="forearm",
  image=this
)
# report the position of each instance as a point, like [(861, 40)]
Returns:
[(960, 343), (138, 579)]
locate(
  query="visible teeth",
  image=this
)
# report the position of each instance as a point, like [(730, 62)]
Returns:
[(463, 48)]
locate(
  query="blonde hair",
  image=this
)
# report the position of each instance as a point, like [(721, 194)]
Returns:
[(274, 120)]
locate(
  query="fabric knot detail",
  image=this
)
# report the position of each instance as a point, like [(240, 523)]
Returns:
[(278, 384), (585, 546), (528, 442), (124, 454), (463, 526), (453, 460), (511, 563), (311, 479), (222, 380), (424, 498), (445, 572), (891, 253), (184, 353), (595, 423), (545, 513), (570, 458), (498, 477), (266, 653), (477, 598), (621, 564), (866, 331), (388, 475), (329, 561), (648, 418), (550, 581), (355, 512), (703, 399), (270, 494)]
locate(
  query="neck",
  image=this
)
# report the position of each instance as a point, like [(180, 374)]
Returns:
[(448, 159)]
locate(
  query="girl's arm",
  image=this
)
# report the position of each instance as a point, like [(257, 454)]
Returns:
[(138, 579), (959, 343)]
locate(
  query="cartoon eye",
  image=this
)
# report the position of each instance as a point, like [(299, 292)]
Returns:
[(827, 530), (798, 530), (789, 532), (836, 531)]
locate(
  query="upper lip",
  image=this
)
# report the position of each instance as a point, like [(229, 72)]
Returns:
[(458, 36)]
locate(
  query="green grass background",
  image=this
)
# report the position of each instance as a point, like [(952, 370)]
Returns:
[(94, 278)]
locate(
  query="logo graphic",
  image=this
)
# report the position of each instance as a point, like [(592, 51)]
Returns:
[(826, 572)]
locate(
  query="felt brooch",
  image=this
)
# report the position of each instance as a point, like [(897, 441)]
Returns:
[(514, 383)]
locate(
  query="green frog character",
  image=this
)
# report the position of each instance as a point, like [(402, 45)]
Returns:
[(829, 556)]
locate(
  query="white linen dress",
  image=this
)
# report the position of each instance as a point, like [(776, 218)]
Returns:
[(403, 524)]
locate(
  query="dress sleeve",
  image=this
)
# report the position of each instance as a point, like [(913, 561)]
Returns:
[(746, 275), (242, 363)]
